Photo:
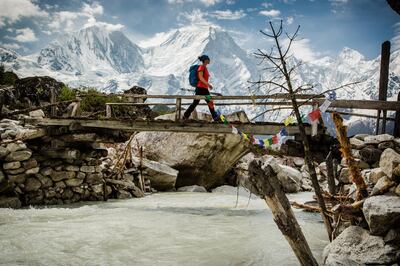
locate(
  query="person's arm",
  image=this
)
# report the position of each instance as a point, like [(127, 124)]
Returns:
[(201, 78)]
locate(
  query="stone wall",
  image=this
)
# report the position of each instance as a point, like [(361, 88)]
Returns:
[(54, 170)]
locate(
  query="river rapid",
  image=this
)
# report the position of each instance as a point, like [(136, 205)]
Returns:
[(160, 229)]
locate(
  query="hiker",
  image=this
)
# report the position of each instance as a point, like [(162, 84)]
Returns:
[(202, 87)]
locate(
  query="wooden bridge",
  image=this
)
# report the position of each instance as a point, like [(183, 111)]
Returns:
[(192, 126)]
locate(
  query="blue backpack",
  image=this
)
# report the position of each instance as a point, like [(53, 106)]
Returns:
[(193, 78)]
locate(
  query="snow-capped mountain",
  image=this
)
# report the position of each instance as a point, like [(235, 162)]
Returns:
[(109, 61)]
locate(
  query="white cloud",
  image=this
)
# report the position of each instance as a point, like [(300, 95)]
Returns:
[(266, 5), (12, 46), (270, 13), (93, 9), (204, 2), (338, 5), (396, 39), (25, 35), (228, 14), (13, 10), (302, 49), (196, 16), (289, 20), (230, 2)]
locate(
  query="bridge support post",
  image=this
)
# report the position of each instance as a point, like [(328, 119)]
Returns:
[(396, 132), (383, 83), (108, 111), (178, 109)]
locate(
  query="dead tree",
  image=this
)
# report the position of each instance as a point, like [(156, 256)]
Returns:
[(278, 62)]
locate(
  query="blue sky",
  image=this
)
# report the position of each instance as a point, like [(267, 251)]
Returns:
[(326, 25)]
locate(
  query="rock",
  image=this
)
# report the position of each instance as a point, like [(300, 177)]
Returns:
[(344, 176), (387, 144), (31, 163), (123, 194), (80, 175), (16, 146), (67, 194), (162, 177), (382, 185), (3, 152), (288, 176), (73, 182), (72, 168), (44, 180), (361, 136), (98, 189), (94, 178), (18, 179), (378, 139), (11, 165), (382, 213), (61, 175), (389, 161), (37, 113), (194, 155), (298, 161), (357, 162), (375, 175), (32, 184), (355, 246), (22, 155), (78, 190), (32, 171), (60, 185), (397, 191), (10, 202), (193, 188), (15, 171), (356, 143), (46, 171), (370, 154), (87, 169)]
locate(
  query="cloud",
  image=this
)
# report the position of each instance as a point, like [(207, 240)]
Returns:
[(266, 5), (230, 2), (204, 2), (289, 20), (270, 13), (68, 21), (228, 14), (396, 39), (12, 46), (13, 10), (338, 6), (25, 35), (196, 17), (301, 49)]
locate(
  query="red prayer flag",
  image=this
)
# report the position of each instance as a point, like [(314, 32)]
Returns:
[(314, 115), (275, 139)]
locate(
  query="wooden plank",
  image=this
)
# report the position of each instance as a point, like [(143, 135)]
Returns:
[(53, 110), (169, 126), (357, 114), (364, 104), (384, 79), (219, 104), (396, 132), (178, 109), (228, 97)]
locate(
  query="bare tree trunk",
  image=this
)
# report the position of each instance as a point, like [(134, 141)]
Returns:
[(307, 152), (356, 178), (267, 184)]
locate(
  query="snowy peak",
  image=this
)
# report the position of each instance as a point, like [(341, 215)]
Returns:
[(90, 48), (350, 55), (7, 55)]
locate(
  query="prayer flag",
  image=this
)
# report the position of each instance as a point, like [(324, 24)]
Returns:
[(208, 97), (266, 142), (275, 139), (314, 115), (222, 117), (332, 96), (260, 143), (234, 130), (325, 105), (289, 120), (245, 136), (283, 132)]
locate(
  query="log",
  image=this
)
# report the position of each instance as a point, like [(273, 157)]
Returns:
[(266, 184), (330, 174), (305, 207), (355, 173)]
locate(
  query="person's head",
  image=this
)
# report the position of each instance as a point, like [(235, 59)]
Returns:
[(204, 59)]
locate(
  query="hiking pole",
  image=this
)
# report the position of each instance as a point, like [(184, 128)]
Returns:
[(212, 93)]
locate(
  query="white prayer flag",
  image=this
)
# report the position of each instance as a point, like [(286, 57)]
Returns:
[(325, 106)]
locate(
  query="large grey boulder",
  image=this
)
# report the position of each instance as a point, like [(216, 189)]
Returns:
[(382, 213), (378, 139), (355, 246), (290, 177), (370, 154), (389, 162), (201, 159), (10, 202)]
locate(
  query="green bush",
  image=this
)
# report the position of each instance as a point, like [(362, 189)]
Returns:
[(67, 94), (93, 102)]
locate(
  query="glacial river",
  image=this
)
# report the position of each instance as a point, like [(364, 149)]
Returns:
[(160, 229)]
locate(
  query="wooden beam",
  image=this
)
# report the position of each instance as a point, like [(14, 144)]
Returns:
[(219, 104), (364, 104), (357, 114), (178, 109), (169, 126), (229, 97)]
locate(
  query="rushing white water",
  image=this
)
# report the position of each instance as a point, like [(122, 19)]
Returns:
[(161, 229)]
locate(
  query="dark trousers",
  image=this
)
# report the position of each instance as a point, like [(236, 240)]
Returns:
[(201, 91)]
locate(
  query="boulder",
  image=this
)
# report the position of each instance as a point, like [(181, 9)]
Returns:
[(289, 177), (194, 155), (32, 171), (123, 194), (382, 213), (19, 178), (344, 176), (16, 146), (378, 139), (356, 143), (94, 178), (73, 182), (194, 188), (32, 184), (370, 154), (375, 174), (10, 202), (21, 155), (61, 175), (382, 186), (3, 152), (87, 169), (389, 161), (11, 165), (387, 144), (355, 246), (44, 180), (29, 164), (37, 113)]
